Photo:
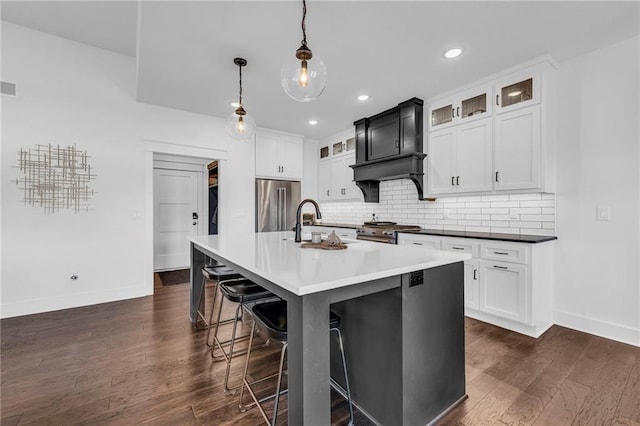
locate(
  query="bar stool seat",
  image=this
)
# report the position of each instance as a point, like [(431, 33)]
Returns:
[(272, 318), (241, 292)]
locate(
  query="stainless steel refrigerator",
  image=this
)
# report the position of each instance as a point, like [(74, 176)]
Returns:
[(276, 204)]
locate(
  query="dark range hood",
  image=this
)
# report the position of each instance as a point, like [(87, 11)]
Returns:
[(389, 146)]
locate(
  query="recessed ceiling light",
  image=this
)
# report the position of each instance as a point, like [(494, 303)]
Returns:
[(452, 53), (363, 97), (313, 122), (235, 104)]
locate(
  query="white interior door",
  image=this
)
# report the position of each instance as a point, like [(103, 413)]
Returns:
[(176, 200)]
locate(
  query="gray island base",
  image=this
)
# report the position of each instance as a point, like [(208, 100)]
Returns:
[(404, 336)]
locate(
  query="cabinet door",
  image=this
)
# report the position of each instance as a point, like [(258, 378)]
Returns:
[(517, 149), (503, 290), (290, 154), (440, 161), (324, 180), (471, 284), (338, 175), (384, 136), (474, 156), (267, 157)]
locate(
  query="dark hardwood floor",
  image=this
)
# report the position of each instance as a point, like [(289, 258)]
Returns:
[(139, 361)]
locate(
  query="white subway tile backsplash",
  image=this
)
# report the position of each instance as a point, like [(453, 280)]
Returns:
[(531, 213), (521, 197), (541, 203), (495, 198)]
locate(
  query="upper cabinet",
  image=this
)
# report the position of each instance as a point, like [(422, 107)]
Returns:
[(278, 155), (512, 148), (461, 108), (335, 177)]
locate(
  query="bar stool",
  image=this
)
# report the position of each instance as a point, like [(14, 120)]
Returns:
[(241, 292), (219, 274), (272, 317)]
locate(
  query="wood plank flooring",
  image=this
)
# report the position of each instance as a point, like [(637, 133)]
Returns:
[(138, 361)]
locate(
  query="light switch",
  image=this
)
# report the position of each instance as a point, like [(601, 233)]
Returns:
[(603, 213)]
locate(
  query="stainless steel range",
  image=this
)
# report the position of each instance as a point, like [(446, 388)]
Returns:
[(382, 232)]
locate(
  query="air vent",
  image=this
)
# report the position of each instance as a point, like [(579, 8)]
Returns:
[(7, 88)]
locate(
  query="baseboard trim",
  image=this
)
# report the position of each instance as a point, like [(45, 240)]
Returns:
[(67, 301), (620, 333)]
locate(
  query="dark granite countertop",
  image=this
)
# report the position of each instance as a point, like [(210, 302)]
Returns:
[(486, 236)]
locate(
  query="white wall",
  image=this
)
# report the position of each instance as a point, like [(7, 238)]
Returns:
[(72, 93), (310, 169), (597, 272)]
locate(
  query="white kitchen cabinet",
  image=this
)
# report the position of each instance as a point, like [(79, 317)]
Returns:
[(509, 284), (278, 156), (324, 180), (517, 149), (459, 158), (504, 290), (519, 154), (464, 107), (335, 177)]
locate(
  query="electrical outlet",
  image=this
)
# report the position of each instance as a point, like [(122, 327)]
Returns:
[(603, 213)]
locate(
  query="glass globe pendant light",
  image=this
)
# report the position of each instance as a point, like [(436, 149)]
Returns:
[(304, 77), (240, 125)]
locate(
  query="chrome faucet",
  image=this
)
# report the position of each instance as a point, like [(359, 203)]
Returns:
[(298, 226)]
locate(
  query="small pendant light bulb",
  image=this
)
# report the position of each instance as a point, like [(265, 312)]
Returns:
[(303, 79)]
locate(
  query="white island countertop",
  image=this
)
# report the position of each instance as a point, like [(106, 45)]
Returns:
[(277, 258)]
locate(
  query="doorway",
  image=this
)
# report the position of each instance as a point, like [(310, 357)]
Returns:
[(180, 208)]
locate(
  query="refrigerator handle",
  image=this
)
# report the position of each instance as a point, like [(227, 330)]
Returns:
[(284, 209), (279, 208)]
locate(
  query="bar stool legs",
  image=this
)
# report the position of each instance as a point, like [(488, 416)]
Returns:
[(257, 402)]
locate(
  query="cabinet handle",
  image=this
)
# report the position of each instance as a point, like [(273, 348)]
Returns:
[(498, 100), (458, 248), (397, 144), (453, 179), (501, 252), (458, 111), (417, 244), (500, 267), (453, 112), (282, 169), (458, 180), (497, 177), (327, 192), (475, 274)]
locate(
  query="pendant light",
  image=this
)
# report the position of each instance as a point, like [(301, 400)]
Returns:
[(240, 125), (304, 77)]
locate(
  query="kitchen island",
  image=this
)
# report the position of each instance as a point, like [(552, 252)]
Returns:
[(402, 319)]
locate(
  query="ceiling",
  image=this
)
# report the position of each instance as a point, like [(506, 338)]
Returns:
[(390, 50)]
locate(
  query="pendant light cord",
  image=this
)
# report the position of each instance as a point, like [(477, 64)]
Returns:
[(304, 28), (240, 66)]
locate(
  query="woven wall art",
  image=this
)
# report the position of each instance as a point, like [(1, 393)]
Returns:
[(55, 178)]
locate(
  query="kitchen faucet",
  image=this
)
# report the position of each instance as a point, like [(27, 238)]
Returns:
[(298, 226)]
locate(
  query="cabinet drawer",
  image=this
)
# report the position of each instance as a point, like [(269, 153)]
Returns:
[(461, 246), (420, 241), (505, 252)]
